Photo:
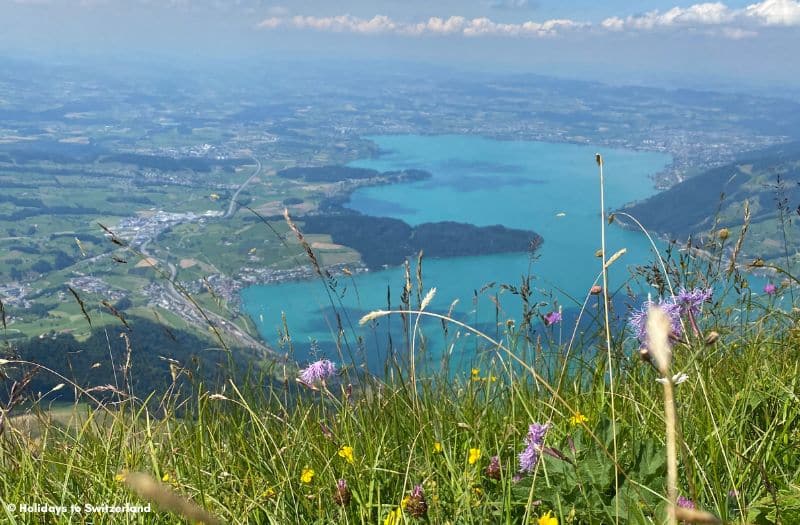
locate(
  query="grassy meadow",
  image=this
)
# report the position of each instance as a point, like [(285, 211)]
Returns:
[(574, 432)]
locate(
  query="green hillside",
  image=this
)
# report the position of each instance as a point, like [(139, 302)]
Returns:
[(768, 180)]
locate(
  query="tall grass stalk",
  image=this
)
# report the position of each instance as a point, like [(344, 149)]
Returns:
[(599, 159)]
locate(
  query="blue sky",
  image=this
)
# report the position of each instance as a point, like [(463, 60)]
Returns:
[(749, 42)]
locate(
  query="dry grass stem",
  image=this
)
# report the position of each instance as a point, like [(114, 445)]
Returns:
[(167, 499), (658, 330)]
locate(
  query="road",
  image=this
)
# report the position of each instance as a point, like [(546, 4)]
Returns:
[(223, 325), (233, 206)]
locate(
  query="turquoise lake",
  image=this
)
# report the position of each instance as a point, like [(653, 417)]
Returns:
[(552, 189)]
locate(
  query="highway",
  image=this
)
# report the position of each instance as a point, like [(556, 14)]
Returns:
[(233, 206)]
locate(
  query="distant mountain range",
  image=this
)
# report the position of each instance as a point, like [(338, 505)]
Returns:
[(769, 180)]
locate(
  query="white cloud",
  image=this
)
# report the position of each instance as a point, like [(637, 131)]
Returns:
[(737, 33), (715, 13), (454, 25), (775, 12), (734, 23)]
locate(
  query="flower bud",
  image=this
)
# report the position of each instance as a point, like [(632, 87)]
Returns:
[(493, 469), (342, 495), (416, 505)]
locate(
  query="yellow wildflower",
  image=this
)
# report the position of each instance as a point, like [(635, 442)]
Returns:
[(474, 455), (307, 475), (476, 374), (346, 452), (394, 518), (269, 493), (404, 502), (578, 419), (120, 477), (548, 519), (437, 448), (165, 478), (477, 495)]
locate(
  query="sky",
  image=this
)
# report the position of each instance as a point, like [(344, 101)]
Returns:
[(747, 43)]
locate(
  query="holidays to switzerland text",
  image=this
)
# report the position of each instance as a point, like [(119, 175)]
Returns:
[(84, 508)]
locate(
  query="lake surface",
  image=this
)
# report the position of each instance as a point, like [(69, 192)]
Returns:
[(552, 189)]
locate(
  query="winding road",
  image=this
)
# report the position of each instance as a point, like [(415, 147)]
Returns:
[(220, 323), (233, 206)]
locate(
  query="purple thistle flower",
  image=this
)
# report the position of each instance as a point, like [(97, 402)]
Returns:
[(686, 503), (692, 300), (533, 441), (318, 371), (638, 320), (552, 318), (770, 289)]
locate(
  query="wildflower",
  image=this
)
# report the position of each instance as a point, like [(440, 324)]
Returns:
[(552, 318), (416, 504), (733, 493), (493, 469), (120, 476), (395, 517), (342, 495), (547, 519), (723, 233), (685, 503), (692, 300), (770, 289), (437, 448), (533, 442), (476, 374), (269, 493), (346, 452), (165, 478), (474, 455), (578, 419), (638, 321), (307, 475), (677, 379), (318, 371), (596, 289), (477, 494)]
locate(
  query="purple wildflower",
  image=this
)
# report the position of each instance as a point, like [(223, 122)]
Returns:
[(692, 300), (416, 504), (533, 441), (770, 289), (342, 495), (638, 320), (493, 469), (317, 372), (552, 318), (686, 503)]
